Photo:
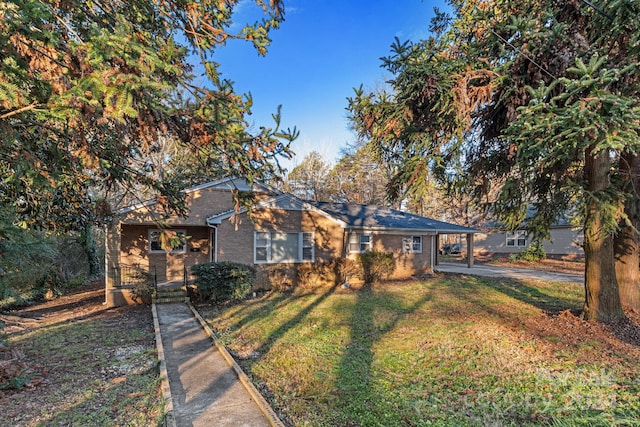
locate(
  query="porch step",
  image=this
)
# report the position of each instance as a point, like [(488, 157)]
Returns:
[(170, 295)]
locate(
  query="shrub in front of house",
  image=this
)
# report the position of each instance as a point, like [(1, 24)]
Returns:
[(277, 277), (376, 265), (142, 284), (535, 252), (346, 269), (335, 271), (222, 281), (312, 275)]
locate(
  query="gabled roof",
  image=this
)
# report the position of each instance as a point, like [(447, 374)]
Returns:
[(284, 201), (382, 218), (365, 217), (224, 184), (234, 183)]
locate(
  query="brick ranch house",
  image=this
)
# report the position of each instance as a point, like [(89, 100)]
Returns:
[(282, 230)]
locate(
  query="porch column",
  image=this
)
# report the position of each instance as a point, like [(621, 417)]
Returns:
[(469, 250), (112, 266), (112, 256), (436, 250)]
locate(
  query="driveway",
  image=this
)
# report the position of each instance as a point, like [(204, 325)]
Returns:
[(511, 273)]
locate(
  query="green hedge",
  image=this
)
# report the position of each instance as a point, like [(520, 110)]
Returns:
[(222, 281), (376, 265)]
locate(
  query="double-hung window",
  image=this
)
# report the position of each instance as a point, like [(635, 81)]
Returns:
[(359, 242), (280, 246), (517, 238), (163, 241), (412, 244)]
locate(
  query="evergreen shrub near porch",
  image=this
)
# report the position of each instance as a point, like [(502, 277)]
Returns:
[(222, 281), (376, 265)]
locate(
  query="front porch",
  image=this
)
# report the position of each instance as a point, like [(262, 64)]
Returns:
[(133, 284), (138, 268)]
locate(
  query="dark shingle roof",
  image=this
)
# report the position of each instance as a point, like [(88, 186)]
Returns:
[(375, 217)]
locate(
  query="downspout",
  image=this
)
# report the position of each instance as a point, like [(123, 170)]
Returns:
[(213, 243), (215, 255), (434, 239), (345, 238)]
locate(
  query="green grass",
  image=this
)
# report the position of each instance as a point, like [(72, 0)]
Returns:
[(97, 368), (447, 351)]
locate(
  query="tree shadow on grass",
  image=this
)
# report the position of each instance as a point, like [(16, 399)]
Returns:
[(112, 402), (357, 395), (257, 313), (626, 330), (532, 295), (286, 326)]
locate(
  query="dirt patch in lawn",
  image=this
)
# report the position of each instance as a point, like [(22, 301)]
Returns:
[(73, 361), (612, 340)]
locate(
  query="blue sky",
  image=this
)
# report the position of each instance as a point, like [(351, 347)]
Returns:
[(321, 52)]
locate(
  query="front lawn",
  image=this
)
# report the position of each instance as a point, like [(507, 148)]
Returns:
[(72, 361), (452, 350)]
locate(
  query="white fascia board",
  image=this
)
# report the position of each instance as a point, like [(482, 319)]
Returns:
[(469, 231), (408, 231), (136, 207), (384, 230)]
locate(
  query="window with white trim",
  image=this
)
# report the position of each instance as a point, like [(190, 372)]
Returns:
[(517, 238), (359, 242), (412, 244), (174, 240), (279, 246)]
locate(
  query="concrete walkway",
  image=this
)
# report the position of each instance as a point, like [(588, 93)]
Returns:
[(511, 273), (205, 387)]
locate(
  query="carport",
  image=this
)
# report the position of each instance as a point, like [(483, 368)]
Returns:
[(456, 230)]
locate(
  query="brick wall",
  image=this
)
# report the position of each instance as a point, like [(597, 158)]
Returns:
[(407, 264), (168, 266), (235, 242)]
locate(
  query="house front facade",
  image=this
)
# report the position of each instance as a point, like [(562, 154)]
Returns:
[(280, 230)]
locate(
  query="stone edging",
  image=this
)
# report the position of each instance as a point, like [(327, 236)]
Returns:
[(169, 420), (264, 406)]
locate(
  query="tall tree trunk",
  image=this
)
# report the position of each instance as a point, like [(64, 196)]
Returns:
[(602, 300), (627, 240), (91, 250)]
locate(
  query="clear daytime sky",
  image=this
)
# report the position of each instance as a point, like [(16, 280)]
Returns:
[(321, 52)]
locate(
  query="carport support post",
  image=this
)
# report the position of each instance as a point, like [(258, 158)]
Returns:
[(469, 250), (436, 250)]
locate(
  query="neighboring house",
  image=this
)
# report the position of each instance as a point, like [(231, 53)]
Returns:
[(280, 230), (566, 241)]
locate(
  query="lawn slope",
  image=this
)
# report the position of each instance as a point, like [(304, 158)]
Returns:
[(452, 350)]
